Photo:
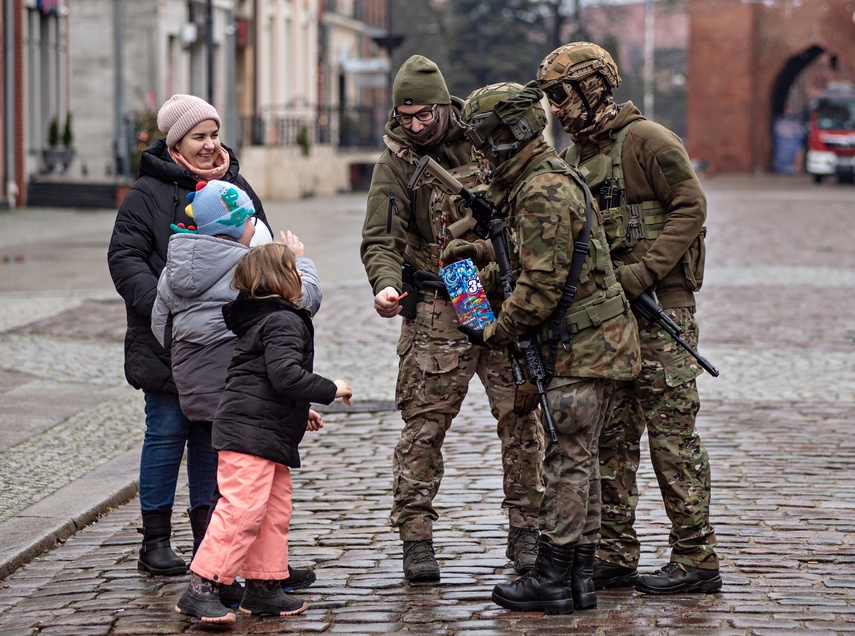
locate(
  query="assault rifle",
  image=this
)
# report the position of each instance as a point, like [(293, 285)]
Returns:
[(489, 224), (651, 311)]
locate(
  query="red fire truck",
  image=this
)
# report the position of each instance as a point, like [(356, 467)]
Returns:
[(831, 134)]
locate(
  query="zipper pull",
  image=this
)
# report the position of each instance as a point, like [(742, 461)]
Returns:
[(393, 208)]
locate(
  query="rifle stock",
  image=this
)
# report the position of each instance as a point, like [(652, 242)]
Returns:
[(651, 311), (490, 225)]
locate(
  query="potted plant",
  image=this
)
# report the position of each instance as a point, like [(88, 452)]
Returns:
[(68, 151), (52, 153)]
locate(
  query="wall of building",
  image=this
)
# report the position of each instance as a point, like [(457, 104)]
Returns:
[(284, 173)]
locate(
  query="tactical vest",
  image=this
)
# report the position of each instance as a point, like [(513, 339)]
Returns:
[(625, 223), (449, 218), (607, 300)]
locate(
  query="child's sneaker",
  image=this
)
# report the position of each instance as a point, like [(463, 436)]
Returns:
[(202, 600), (266, 598)]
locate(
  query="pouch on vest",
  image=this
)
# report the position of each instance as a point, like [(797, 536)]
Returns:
[(614, 225), (693, 261)]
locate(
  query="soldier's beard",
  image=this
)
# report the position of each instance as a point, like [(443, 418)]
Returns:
[(434, 133)]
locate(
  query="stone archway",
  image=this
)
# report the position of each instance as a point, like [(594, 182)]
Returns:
[(791, 70)]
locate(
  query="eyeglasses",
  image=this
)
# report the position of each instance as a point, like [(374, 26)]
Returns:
[(424, 116), (556, 94)]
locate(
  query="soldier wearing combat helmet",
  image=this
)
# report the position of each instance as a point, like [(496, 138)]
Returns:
[(654, 211), (403, 241), (585, 347)]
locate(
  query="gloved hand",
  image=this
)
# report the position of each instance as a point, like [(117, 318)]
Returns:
[(629, 280), (480, 251), (475, 336), (428, 280)]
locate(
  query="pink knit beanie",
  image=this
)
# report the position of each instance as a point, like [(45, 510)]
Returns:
[(180, 114)]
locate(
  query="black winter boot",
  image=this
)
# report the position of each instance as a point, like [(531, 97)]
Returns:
[(156, 555), (202, 600), (266, 598), (546, 588), (298, 579), (199, 524), (582, 577)]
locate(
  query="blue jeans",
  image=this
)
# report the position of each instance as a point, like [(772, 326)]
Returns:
[(167, 432)]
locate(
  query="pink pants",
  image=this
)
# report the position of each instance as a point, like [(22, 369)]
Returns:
[(248, 533)]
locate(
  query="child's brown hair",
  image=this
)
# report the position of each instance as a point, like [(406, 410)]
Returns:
[(269, 270)]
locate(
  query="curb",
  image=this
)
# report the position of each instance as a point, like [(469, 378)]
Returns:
[(52, 520)]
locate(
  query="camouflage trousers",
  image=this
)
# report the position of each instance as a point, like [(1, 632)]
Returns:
[(435, 366), (570, 508), (664, 400)]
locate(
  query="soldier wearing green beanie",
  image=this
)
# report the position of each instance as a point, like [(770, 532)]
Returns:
[(403, 239), (419, 81)]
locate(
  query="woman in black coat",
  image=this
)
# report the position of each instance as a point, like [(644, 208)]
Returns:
[(169, 170)]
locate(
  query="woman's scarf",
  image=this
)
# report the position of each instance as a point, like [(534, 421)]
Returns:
[(221, 165)]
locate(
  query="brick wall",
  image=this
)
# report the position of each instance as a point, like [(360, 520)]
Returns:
[(738, 50)]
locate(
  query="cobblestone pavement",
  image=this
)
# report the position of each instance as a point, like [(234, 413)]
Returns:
[(776, 317)]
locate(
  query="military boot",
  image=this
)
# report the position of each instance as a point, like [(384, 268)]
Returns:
[(610, 575), (546, 588), (676, 578), (156, 555), (582, 577), (420, 564), (522, 548)]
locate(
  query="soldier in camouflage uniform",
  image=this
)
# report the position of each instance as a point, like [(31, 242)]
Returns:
[(544, 204), (409, 229), (654, 210)]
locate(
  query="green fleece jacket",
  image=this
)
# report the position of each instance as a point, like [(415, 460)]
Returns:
[(405, 231), (656, 167)]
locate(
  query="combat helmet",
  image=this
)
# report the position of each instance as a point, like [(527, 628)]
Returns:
[(572, 64), (490, 111)]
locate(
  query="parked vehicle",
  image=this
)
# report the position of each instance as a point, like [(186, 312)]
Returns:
[(831, 134)]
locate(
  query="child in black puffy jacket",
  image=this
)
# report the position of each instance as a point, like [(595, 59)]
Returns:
[(262, 416)]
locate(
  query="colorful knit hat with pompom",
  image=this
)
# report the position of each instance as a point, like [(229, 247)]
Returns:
[(218, 207)]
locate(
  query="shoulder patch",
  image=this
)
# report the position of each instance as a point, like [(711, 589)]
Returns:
[(675, 166)]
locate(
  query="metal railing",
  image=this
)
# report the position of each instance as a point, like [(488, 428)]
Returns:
[(353, 128)]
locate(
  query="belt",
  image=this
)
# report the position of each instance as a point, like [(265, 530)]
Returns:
[(594, 315), (425, 295)]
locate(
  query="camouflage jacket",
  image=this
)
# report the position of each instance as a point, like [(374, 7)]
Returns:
[(545, 212), (406, 231), (657, 167)]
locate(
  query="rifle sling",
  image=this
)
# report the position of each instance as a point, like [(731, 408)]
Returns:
[(581, 249)]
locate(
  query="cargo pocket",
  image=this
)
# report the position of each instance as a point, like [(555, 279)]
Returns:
[(693, 262), (439, 380), (681, 370)]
